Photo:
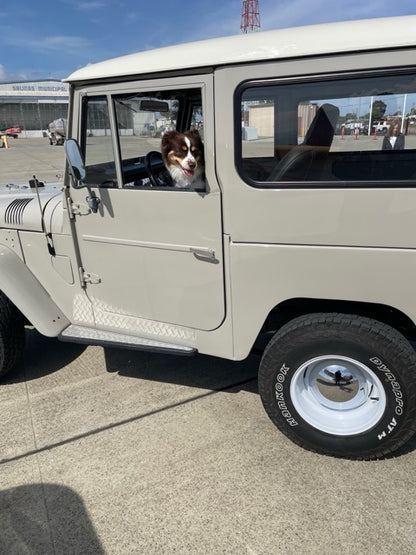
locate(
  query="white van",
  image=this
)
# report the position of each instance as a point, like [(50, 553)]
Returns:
[(299, 234)]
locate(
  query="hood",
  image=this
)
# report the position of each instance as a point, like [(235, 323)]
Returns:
[(21, 209)]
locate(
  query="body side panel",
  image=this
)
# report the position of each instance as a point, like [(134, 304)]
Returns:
[(334, 243), (265, 275)]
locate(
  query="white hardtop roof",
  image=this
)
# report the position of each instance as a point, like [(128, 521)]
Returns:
[(349, 36)]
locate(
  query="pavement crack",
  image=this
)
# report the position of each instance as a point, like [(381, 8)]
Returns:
[(32, 424), (120, 423), (35, 451)]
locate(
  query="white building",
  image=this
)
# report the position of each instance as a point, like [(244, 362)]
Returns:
[(32, 105)]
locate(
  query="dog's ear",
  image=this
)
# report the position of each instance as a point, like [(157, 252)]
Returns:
[(195, 134), (167, 137), (196, 138)]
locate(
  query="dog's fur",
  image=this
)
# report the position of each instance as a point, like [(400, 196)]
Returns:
[(183, 155)]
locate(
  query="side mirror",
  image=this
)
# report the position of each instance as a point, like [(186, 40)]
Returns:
[(76, 163)]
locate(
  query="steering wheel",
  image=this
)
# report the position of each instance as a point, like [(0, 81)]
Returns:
[(148, 166)]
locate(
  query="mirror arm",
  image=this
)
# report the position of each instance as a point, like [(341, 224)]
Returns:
[(93, 201)]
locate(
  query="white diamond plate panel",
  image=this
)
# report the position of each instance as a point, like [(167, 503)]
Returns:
[(111, 317), (82, 309)]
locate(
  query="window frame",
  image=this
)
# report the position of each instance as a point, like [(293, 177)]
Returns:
[(202, 82), (85, 99)]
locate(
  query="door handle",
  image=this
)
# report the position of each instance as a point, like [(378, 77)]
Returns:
[(199, 252)]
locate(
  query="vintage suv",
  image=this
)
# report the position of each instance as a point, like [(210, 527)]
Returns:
[(301, 233)]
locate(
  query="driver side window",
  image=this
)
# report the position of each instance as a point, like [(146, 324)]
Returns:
[(143, 118)]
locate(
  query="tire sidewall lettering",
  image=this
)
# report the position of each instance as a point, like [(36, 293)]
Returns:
[(389, 378), (280, 396)]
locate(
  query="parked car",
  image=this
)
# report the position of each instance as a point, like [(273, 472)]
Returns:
[(352, 126), (381, 126)]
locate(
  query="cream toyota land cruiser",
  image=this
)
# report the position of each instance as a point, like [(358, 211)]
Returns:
[(302, 233)]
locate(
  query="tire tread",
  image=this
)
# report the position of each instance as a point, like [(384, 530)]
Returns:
[(11, 335)]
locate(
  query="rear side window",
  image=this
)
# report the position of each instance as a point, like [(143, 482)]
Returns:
[(332, 132)]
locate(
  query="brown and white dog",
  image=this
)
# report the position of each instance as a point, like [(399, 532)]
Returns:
[(183, 155)]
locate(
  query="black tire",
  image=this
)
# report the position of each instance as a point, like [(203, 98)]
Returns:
[(340, 385), (12, 335)]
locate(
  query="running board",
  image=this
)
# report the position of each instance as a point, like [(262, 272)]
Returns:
[(92, 336)]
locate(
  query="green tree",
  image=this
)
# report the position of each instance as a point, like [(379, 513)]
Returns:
[(379, 109)]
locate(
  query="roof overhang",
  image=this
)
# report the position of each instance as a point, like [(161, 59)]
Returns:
[(311, 40)]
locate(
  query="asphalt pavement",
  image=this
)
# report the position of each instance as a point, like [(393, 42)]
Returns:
[(28, 157), (125, 452)]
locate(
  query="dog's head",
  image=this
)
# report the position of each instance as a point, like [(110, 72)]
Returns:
[(183, 155)]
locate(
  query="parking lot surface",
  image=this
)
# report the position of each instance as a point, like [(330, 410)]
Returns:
[(126, 452), (27, 157)]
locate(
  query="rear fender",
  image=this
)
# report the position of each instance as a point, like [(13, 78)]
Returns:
[(28, 295)]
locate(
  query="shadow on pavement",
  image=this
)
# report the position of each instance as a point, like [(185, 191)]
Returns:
[(44, 356), (199, 371), (47, 519)]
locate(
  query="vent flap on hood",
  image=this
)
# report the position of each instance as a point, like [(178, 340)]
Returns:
[(13, 214)]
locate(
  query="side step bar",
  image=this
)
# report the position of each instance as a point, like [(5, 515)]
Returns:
[(92, 336)]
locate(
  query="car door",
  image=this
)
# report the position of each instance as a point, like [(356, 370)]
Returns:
[(148, 254)]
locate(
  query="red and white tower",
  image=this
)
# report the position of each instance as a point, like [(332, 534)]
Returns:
[(250, 16)]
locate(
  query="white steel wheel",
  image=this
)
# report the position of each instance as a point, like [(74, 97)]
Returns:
[(338, 395), (341, 385)]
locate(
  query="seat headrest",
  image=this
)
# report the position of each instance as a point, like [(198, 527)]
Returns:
[(321, 130)]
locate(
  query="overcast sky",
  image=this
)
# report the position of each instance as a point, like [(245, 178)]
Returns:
[(48, 39)]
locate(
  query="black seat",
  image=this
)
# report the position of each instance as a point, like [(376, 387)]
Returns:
[(295, 165)]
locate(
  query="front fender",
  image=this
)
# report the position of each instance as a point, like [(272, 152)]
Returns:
[(30, 297)]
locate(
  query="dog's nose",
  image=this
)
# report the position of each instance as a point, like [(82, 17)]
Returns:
[(192, 164)]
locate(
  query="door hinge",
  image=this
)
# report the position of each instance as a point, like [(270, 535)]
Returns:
[(88, 277), (78, 209)]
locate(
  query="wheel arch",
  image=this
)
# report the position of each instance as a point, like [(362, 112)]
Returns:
[(289, 309)]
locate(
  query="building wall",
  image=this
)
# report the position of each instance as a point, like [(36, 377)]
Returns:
[(32, 105), (306, 113), (262, 117)]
